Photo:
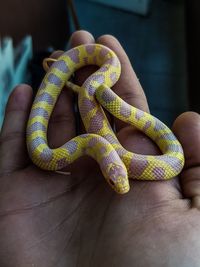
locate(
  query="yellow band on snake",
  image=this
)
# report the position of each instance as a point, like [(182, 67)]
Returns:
[(99, 142)]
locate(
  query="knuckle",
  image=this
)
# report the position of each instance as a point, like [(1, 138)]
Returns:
[(59, 118), (11, 137), (128, 96)]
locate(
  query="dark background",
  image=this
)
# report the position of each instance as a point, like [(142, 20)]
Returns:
[(192, 11), (45, 20), (163, 46)]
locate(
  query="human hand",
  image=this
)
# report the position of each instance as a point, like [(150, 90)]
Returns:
[(47, 219)]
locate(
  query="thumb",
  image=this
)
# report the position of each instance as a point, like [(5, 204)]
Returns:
[(13, 153), (187, 130)]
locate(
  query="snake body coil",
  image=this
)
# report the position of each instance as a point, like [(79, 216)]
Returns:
[(100, 142)]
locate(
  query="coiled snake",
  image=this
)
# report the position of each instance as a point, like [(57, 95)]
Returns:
[(100, 142)]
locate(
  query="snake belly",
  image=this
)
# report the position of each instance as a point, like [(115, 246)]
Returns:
[(100, 142)]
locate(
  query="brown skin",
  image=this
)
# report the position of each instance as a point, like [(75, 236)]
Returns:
[(48, 219)]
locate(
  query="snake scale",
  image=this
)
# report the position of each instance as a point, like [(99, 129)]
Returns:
[(99, 142)]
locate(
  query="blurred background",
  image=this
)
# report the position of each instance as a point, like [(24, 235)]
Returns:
[(161, 38)]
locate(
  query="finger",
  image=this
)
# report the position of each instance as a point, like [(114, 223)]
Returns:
[(79, 38), (62, 122), (156, 192), (128, 87), (13, 153), (187, 129)]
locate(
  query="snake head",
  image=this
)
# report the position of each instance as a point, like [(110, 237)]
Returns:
[(117, 177)]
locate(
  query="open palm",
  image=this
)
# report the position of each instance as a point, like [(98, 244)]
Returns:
[(49, 219)]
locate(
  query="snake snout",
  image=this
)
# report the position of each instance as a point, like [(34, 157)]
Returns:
[(118, 178)]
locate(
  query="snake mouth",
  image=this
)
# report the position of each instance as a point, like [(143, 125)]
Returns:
[(118, 187), (111, 182)]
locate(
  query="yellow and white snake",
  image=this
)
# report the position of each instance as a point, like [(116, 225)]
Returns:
[(100, 142)]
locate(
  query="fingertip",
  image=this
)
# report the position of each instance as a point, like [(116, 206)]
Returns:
[(187, 129), (56, 54), (188, 121), (20, 98), (12, 136), (18, 106), (188, 115), (108, 37), (81, 37)]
